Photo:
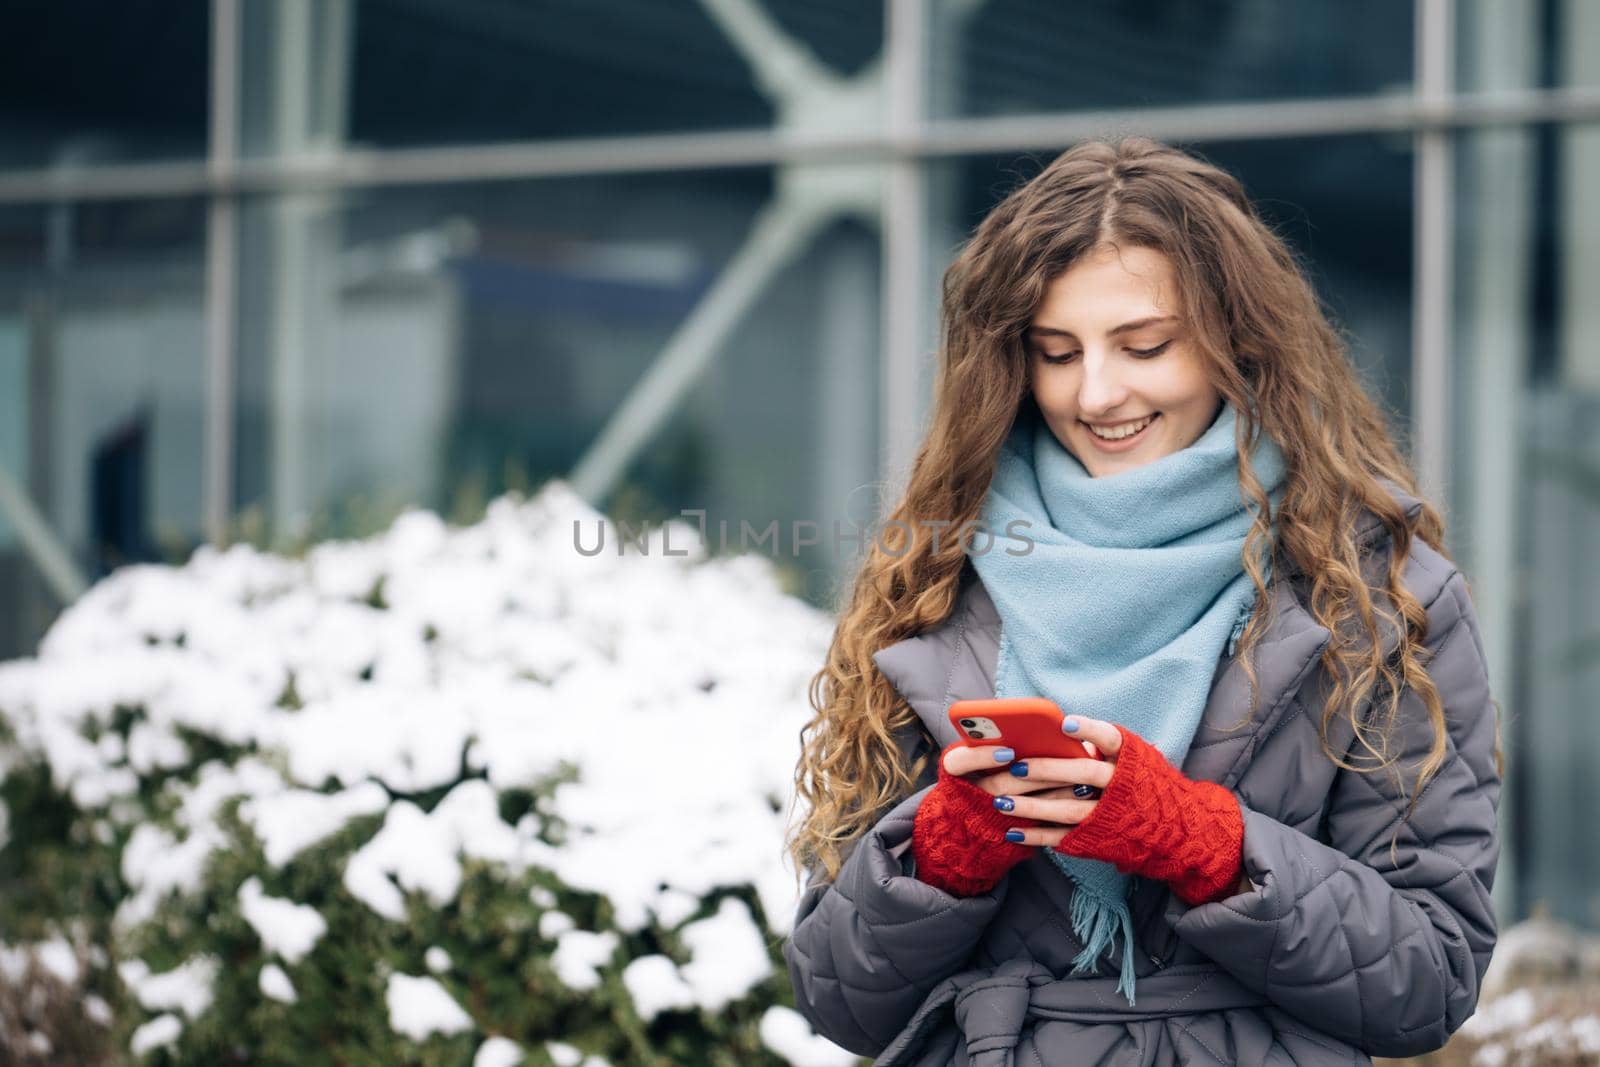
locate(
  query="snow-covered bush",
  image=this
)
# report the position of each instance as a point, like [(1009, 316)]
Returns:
[(444, 796), (45, 1016)]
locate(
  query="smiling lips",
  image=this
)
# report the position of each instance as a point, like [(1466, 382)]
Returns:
[(1119, 436)]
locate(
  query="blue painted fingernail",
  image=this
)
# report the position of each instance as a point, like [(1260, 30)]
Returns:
[(1069, 725), (1084, 792), (1004, 803), (1020, 770), (1014, 836), (1004, 755)]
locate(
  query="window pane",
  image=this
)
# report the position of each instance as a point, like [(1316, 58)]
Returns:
[(420, 72), (101, 384), (1554, 44), (845, 35), (437, 346), (1013, 56), (84, 81), (1526, 492)]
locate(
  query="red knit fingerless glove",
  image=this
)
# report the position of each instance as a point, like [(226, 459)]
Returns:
[(1154, 821), (958, 837)]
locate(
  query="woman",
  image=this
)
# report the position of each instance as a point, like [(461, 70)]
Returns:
[(1204, 546)]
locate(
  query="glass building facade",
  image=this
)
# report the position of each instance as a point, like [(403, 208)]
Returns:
[(275, 269)]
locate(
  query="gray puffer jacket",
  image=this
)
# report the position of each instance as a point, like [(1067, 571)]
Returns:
[(1341, 949)]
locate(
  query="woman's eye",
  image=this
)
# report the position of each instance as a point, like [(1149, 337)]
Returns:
[(1136, 353)]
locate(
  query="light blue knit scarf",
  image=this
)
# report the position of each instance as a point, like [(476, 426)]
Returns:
[(1134, 587)]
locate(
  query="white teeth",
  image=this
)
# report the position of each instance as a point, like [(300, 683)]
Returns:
[(1117, 433)]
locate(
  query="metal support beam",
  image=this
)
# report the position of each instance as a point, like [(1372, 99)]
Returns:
[(39, 541), (347, 167), (904, 234), (1433, 259), (222, 270), (810, 194), (780, 231)]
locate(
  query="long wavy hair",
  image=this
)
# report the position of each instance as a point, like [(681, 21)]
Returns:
[(1271, 352)]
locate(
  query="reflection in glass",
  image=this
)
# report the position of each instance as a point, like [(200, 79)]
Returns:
[(101, 358), (438, 346), (442, 72), (1545, 45), (84, 82), (1005, 57)]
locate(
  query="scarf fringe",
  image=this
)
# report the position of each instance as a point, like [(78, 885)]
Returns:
[(1097, 924), (1245, 611)]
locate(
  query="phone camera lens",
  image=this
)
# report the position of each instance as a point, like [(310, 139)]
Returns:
[(969, 723), (976, 735)]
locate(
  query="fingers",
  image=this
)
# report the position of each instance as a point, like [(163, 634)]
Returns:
[(1062, 809), (978, 765), (1102, 733), (1063, 792), (1042, 834), (1049, 773), (970, 759)]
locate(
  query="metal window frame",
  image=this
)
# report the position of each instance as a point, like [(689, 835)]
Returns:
[(1433, 112), (921, 141)]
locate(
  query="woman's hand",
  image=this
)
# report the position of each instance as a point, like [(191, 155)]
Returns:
[(1151, 819), (1148, 818), (961, 840), (1058, 793)]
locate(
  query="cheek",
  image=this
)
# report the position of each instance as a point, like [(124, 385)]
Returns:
[(1054, 391), (1195, 404), (1186, 384)]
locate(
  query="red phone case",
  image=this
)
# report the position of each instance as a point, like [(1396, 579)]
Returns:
[(1029, 725)]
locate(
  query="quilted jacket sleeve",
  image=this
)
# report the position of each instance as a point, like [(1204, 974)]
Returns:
[(1384, 950), (866, 948)]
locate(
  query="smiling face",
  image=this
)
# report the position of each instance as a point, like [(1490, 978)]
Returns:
[(1111, 364)]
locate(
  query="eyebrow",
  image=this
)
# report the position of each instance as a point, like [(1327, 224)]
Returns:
[(1051, 331)]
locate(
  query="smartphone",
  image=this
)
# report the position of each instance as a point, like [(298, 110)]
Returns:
[(1029, 725)]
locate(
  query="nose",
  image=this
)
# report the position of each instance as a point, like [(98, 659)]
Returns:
[(1101, 390)]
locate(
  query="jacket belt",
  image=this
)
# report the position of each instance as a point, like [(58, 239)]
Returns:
[(992, 1007)]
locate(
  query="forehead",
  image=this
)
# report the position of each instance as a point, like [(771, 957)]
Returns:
[(1108, 287)]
